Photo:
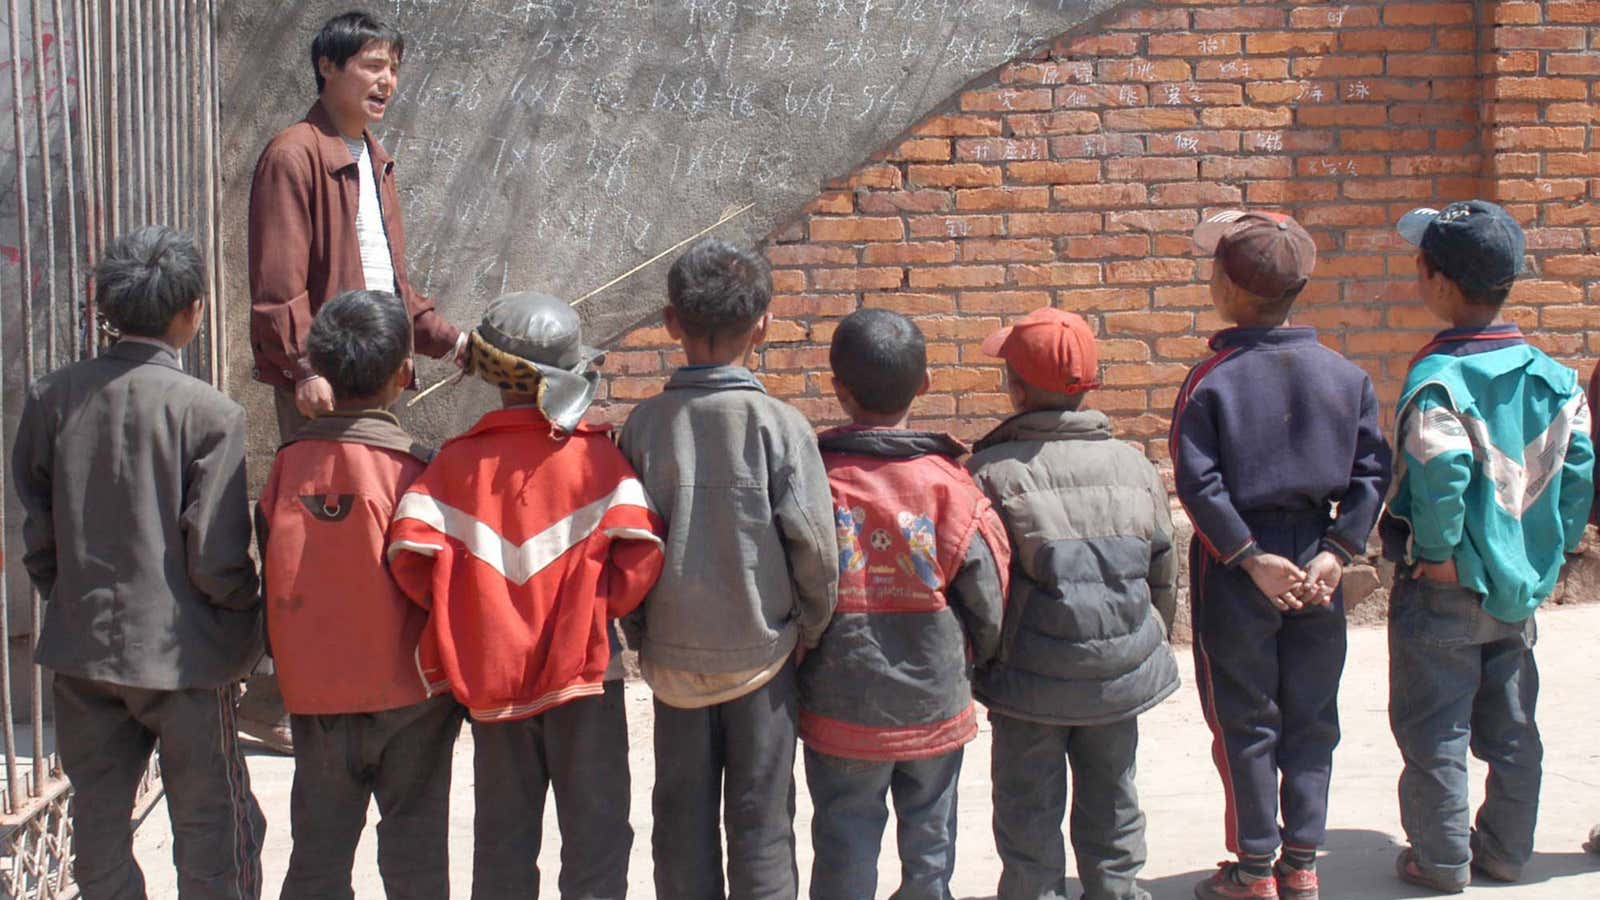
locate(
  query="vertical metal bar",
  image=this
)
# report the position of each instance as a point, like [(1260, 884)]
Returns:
[(101, 136), (113, 156), (83, 42), (15, 789), (213, 191), (72, 158), (147, 114), (46, 179)]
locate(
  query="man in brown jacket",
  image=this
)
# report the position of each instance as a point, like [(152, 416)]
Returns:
[(324, 219)]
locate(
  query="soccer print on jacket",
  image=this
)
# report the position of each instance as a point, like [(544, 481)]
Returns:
[(523, 546)]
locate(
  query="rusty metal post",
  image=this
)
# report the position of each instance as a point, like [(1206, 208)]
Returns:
[(15, 789), (112, 121), (80, 44), (70, 155), (213, 190), (47, 189)]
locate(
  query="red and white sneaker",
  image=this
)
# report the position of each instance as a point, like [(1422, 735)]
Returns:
[(1296, 884), (1228, 885)]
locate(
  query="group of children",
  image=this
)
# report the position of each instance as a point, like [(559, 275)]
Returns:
[(853, 591)]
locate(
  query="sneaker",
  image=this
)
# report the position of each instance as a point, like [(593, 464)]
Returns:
[(1295, 884), (1227, 885), (1405, 865), (274, 736), (1490, 867)]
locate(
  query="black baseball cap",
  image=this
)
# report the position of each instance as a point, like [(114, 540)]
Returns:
[(1474, 243)]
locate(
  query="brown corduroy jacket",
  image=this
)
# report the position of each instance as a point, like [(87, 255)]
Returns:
[(304, 250)]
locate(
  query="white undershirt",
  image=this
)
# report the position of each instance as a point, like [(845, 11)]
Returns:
[(376, 264)]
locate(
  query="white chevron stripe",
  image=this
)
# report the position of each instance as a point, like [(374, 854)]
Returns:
[(1517, 484), (518, 562)]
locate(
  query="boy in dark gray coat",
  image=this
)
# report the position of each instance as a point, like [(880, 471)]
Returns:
[(751, 574), (131, 474), (1083, 649)]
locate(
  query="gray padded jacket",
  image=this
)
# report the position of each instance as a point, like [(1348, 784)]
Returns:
[(1092, 564)]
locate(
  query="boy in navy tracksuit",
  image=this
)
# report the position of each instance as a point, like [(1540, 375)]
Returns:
[(1281, 465)]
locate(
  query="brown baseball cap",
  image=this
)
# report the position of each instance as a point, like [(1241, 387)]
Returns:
[(1266, 253)]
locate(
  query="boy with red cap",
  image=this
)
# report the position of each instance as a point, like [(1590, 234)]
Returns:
[(1083, 647), (1282, 468)]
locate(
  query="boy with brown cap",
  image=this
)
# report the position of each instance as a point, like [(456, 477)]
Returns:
[(1282, 468), (1083, 647)]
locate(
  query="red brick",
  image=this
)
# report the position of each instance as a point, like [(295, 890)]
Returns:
[(911, 304), (786, 305), (1344, 215), (965, 327), (1389, 189), (1098, 300), (1054, 275), (1432, 65), (1007, 250), (999, 149), (1547, 292), (1192, 93), (1153, 220), (1334, 17), (1564, 12), (810, 255), (1384, 39), (1338, 66), (1101, 195), (956, 226), (1053, 224), (1003, 302), (1586, 266), (1456, 40), (1145, 374), (922, 150), (792, 358), (1102, 246), (1074, 172), (1572, 164), (858, 279), (1097, 145), (1572, 63), (1540, 138), (1157, 119), (1145, 70), (1194, 193), (888, 203), (1055, 71), (1506, 13), (1268, 42), (833, 203), (1184, 348), (1239, 17), (1427, 14), (1149, 270), (958, 126), (1540, 88), (1147, 169), (1003, 198), (958, 277), (1539, 38), (857, 228), (917, 253), (783, 331), (1292, 91), (1097, 96), (1290, 192), (1383, 139), (962, 380), (1222, 168), (1148, 323), (1572, 113), (1177, 44), (1241, 69), (788, 281), (1583, 214), (1341, 115), (1189, 296), (876, 178), (1432, 113), (1187, 142), (954, 175), (1247, 117), (1148, 20), (1007, 99), (1099, 45), (1514, 61), (1434, 165)]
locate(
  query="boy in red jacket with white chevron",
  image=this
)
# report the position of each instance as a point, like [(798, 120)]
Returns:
[(525, 537)]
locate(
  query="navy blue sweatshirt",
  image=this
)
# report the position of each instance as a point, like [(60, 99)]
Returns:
[(1276, 423)]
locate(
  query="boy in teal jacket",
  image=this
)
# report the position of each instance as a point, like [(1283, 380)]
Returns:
[(1495, 484)]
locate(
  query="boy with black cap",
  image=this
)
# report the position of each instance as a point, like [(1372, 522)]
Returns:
[(1495, 488), (1281, 465), (1083, 648), (343, 636), (885, 698), (524, 538)]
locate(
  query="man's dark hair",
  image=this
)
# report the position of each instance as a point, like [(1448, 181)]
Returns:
[(147, 277), (716, 288), (358, 340), (1494, 297), (344, 35), (881, 358)]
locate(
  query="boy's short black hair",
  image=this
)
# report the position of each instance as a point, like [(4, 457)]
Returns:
[(358, 340), (1277, 308), (147, 277), (344, 35), (715, 288), (881, 358), (1491, 297)]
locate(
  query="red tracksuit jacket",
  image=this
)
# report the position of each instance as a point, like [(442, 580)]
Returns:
[(523, 547)]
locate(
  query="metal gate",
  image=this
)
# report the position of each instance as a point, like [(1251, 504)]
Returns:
[(113, 125)]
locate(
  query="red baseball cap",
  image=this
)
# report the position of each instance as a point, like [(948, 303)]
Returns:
[(1051, 349), (1266, 253)]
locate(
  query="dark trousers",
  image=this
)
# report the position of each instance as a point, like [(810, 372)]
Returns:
[(1269, 688), (579, 748), (746, 747), (105, 734), (849, 816), (1461, 680), (1029, 762), (341, 762)]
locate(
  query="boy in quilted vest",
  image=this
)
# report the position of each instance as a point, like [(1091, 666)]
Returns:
[(344, 638), (885, 698), (525, 538), (1084, 647)]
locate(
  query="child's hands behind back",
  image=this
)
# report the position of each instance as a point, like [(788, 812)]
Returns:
[(1278, 578), (1322, 579)]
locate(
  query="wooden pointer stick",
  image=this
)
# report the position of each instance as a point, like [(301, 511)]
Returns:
[(727, 217)]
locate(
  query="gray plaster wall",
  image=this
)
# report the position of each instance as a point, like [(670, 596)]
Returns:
[(555, 144)]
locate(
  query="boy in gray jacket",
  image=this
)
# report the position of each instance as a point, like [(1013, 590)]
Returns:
[(137, 528), (1083, 648), (750, 575)]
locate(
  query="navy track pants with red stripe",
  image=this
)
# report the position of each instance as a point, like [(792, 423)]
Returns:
[(1269, 685)]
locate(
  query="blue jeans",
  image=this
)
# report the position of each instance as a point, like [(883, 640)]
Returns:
[(1029, 764), (847, 826), (1460, 680)]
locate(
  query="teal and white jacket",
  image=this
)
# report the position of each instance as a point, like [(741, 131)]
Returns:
[(1495, 466)]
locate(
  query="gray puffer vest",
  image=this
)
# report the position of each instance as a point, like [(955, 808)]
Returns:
[(1092, 565)]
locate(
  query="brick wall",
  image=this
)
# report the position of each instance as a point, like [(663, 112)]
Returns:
[(1075, 178)]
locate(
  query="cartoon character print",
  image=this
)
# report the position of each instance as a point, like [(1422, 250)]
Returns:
[(848, 522), (924, 559)]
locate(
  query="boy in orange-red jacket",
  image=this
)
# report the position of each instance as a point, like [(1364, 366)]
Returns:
[(525, 537)]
